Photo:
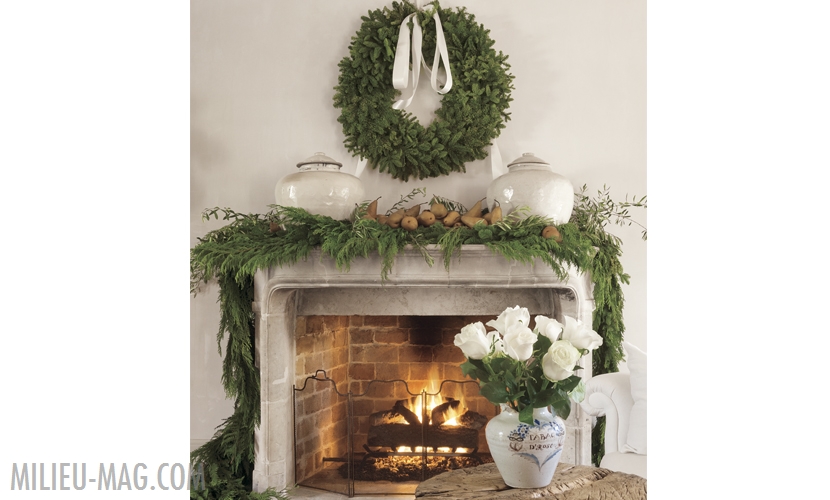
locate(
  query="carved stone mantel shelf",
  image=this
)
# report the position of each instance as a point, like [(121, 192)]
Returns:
[(479, 282)]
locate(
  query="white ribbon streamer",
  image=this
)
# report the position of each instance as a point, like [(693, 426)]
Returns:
[(361, 164), (401, 78), (496, 165), (440, 53)]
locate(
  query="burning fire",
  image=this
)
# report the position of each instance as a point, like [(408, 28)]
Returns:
[(447, 412), (450, 409)]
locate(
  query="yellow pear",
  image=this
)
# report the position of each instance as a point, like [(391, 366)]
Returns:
[(451, 218), (472, 221), (372, 210), (426, 218), (394, 220), (552, 232), (414, 211), (495, 215), (476, 210), (439, 210), (409, 223)]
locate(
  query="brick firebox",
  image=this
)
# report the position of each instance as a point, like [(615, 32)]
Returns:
[(354, 350)]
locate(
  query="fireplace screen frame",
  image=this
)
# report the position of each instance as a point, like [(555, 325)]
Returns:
[(425, 444)]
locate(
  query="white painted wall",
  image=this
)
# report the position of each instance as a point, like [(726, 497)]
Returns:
[(262, 78)]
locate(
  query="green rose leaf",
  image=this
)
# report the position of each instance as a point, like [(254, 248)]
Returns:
[(478, 363), (495, 392), (562, 407), (511, 383), (531, 392), (542, 345), (474, 369), (550, 396), (502, 365), (526, 415), (569, 383)]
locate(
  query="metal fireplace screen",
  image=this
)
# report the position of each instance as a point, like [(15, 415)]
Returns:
[(381, 437)]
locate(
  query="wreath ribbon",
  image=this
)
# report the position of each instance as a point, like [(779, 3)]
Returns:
[(401, 76), (378, 129)]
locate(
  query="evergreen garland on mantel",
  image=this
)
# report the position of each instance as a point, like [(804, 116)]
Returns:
[(283, 236)]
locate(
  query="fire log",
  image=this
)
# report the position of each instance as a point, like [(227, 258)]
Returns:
[(399, 414), (472, 419), (406, 413), (439, 413)]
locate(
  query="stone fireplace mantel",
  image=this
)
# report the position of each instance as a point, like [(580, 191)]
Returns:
[(479, 282)]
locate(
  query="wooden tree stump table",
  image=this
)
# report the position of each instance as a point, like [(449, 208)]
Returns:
[(570, 482)]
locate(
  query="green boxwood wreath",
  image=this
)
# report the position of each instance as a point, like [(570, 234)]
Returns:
[(471, 115)]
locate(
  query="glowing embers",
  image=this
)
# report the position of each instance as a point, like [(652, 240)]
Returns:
[(405, 469)]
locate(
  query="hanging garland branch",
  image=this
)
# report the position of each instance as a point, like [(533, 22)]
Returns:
[(471, 115), (594, 213), (591, 215), (228, 458)]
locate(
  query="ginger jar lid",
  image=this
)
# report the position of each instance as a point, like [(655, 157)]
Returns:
[(528, 159), (319, 159)]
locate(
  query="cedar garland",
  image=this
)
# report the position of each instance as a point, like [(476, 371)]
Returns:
[(233, 253)]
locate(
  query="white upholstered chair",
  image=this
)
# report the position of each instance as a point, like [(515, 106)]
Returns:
[(621, 398)]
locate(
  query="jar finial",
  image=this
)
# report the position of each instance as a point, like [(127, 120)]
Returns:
[(319, 158)]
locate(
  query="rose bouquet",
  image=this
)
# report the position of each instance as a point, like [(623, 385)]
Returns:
[(526, 368)]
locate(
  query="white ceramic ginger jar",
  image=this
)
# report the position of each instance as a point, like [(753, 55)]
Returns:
[(526, 455), (531, 182), (320, 188)]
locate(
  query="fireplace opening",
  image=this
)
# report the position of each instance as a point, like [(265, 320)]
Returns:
[(380, 403)]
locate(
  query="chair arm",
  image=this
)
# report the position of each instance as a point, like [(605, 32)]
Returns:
[(609, 395)]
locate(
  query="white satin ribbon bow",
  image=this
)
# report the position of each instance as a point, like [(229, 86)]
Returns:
[(400, 72)]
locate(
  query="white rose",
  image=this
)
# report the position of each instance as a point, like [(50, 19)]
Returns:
[(559, 362), (510, 318), (518, 342), (473, 341), (581, 336), (548, 327)]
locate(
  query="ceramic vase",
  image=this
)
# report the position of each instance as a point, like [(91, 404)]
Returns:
[(531, 182), (526, 455), (320, 188)]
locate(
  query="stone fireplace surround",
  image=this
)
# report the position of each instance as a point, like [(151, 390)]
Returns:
[(479, 282)]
